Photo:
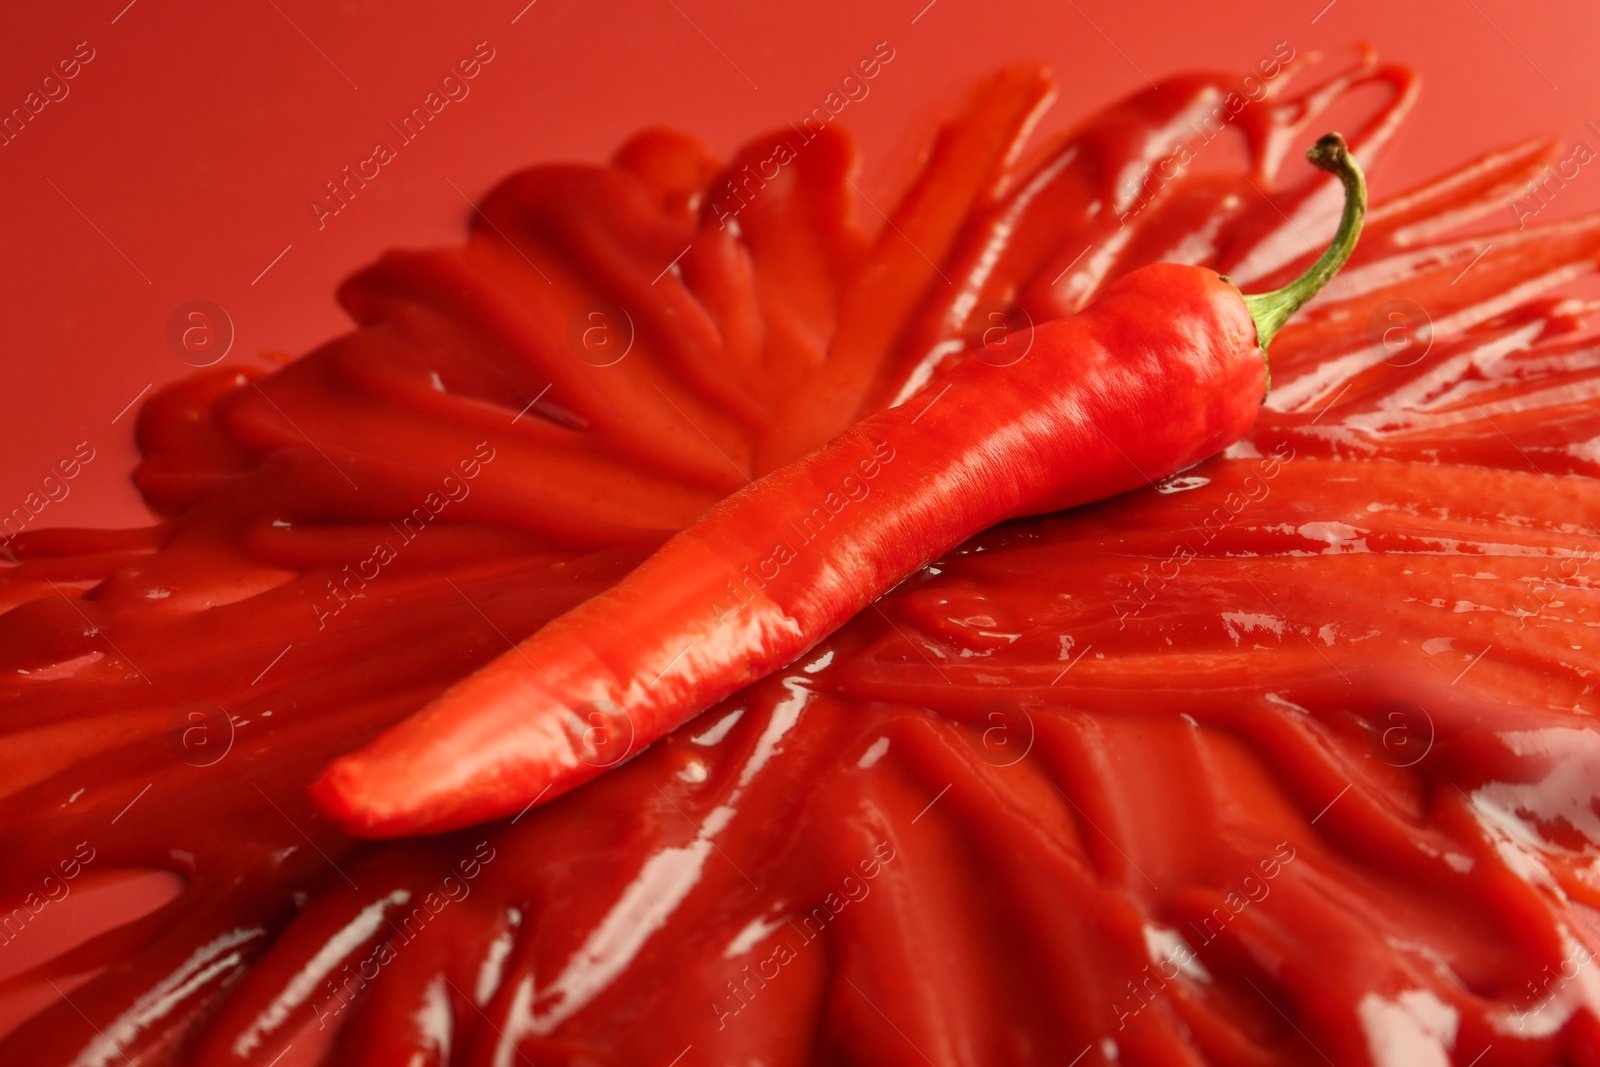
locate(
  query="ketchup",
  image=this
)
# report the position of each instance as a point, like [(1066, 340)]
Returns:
[(1287, 758)]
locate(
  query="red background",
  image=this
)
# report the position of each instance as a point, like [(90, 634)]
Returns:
[(197, 137)]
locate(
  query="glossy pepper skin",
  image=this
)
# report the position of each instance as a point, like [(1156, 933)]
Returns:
[(1166, 368)]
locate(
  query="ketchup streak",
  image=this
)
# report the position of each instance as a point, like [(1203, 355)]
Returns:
[(1289, 750)]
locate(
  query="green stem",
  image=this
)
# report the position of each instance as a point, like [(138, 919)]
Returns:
[(1271, 310)]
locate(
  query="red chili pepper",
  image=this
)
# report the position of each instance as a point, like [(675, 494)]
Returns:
[(1166, 368)]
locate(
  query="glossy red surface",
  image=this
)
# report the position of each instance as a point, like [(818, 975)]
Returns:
[(1288, 752)]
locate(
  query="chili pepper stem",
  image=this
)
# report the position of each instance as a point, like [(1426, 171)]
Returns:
[(1271, 310)]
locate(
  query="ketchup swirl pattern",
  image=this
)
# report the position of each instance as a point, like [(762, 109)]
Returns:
[(1247, 768)]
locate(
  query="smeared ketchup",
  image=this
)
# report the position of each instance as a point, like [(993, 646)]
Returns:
[(1288, 758)]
